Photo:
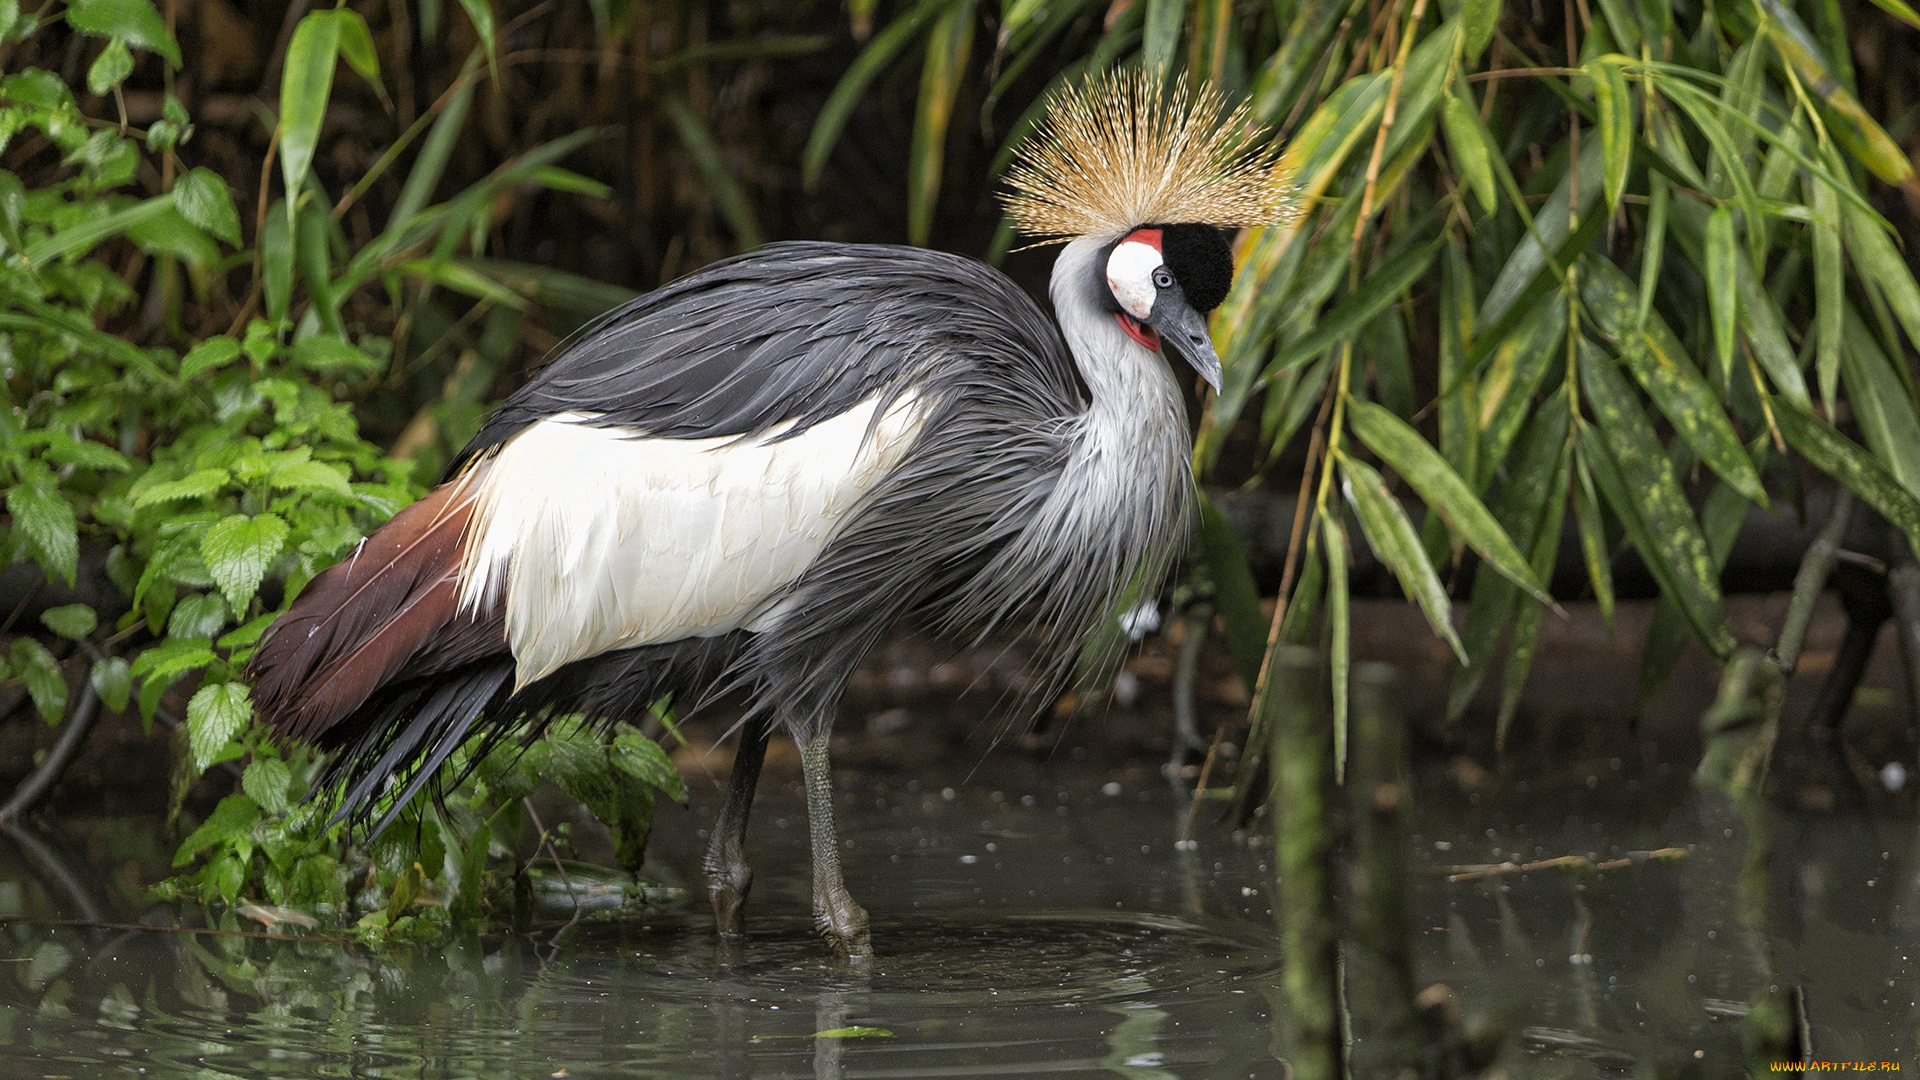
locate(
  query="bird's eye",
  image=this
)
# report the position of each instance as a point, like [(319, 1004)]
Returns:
[(1162, 279)]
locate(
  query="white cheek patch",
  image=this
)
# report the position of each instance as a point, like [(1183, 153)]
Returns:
[(1130, 275)]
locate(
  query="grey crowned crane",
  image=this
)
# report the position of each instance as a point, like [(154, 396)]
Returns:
[(741, 480)]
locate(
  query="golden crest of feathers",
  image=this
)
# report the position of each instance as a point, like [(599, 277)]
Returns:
[(1119, 151)]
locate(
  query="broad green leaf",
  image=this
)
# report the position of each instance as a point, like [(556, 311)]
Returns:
[(1396, 542), (306, 84), (644, 760), (949, 43), (1837, 456), (269, 782), (1469, 150), (1881, 267), (1634, 472), (1339, 633), (328, 355), (170, 234), (1514, 372), (1234, 592), (132, 21), (312, 477), (110, 68), (199, 616), (72, 621), (44, 518), (1722, 285), (846, 93), (209, 354), (732, 202), (1615, 103), (112, 681), (202, 198), (276, 260), (232, 820), (310, 257), (197, 485), (215, 714), (1422, 467), (1162, 37), (239, 551), (46, 683)]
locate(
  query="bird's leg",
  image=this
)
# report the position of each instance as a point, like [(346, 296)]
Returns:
[(835, 914), (728, 876)]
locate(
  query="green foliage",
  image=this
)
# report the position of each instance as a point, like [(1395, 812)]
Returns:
[(215, 473)]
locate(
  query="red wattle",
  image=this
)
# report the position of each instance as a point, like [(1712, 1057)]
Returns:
[(1145, 335)]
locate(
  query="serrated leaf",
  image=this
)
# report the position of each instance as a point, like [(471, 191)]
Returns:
[(133, 21), (239, 551), (201, 615), (45, 519), (202, 198), (71, 621), (311, 476), (232, 820), (216, 714), (209, 354), (268, 781), (644, 760), (196, 485), (64, 449), (1422, 467), (46, 685), (112, 680), (329, 355), (110, 68), (1397, 543)]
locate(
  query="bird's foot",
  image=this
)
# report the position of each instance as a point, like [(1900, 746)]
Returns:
[(843, 923), (728, 882)]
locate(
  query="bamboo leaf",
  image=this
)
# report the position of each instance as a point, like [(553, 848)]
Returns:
[(306, 84), (1837, 456), (482, 15), (1377, 293), (705, 153), (1157, 48), (276, 260), (1633, 470), (1593, 539), (427, 169), (1469, 150), (1552, 227), (1829, 289), (1526, 625), (82, 236), (1394, 539), (356, 47), (1899, 10), (1478, 18), (1881, 267), (1653, 248), (1881, 405), (1429, 474), (1722, 286), (866, 67), (948, 45), (1339, 633), (1234, 591), (1848, 121), (1615, 103), (1668, 375)]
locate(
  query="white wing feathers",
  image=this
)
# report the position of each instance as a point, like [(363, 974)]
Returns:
[(605, 538)]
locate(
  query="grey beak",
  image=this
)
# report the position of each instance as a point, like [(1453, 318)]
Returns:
[(1186, 330)]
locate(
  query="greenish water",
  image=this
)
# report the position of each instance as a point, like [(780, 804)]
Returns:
[(1039, 921)]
